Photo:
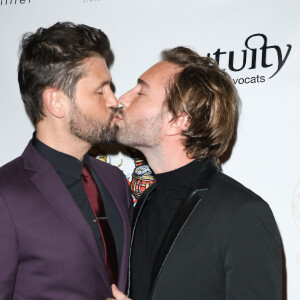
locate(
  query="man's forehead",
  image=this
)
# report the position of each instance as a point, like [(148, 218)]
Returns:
[(96, 67), (161, 71)]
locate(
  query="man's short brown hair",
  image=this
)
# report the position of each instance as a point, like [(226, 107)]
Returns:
[(54, 57), (207, 95)]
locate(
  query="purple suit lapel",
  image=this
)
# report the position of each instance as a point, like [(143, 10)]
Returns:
[(117, 194), (49, 184)]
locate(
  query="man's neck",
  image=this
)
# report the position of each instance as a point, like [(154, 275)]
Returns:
[(64, 143), (166, 159)]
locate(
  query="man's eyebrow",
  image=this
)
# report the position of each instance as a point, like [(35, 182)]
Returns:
[(142, 82), (106, 82)]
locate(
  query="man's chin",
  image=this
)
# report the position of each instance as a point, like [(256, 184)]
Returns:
[(106, 136), (105, 140)]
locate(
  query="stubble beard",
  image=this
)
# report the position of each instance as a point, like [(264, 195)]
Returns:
[(89, 130), (139, 134)]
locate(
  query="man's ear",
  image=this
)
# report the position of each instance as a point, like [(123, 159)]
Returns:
[(54, 102), (179, 124)]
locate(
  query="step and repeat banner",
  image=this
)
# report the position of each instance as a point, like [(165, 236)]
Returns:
[(256, 42)]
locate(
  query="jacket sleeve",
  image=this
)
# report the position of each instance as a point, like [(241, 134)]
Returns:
[(8, 252), (252, 254)]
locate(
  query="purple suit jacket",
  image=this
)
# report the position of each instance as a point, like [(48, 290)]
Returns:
[(48, 250)]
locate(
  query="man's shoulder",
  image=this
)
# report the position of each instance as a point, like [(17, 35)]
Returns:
[(12, 166), (234, 186), (230, 192), (12, 175), (228, 197)]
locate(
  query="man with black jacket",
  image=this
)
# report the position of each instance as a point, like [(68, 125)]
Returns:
[(197, 233)]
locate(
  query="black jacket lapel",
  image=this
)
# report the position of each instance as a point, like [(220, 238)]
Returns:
[(140, 203), (180, 218), (136, 213), (187, 207)]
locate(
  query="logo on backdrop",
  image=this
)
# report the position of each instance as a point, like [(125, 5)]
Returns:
[(141, 177), (259, 54), (13, 2)]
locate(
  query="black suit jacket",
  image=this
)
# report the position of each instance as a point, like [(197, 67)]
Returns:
[(222, 244)]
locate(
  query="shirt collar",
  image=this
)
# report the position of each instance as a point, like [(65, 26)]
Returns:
[(178, 178), (61, 162)]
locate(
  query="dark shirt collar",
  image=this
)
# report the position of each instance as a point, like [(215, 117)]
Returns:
[(179, 178), (61, 162)]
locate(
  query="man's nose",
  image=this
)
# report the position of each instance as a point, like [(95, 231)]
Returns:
[(124, 100), (113, 102)]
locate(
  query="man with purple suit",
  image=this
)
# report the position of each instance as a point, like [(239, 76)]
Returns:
[(55, 243)]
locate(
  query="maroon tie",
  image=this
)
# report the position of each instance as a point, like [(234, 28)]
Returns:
[(96, 202)]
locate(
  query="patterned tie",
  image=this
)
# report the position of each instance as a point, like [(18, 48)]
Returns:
[(96, 202)]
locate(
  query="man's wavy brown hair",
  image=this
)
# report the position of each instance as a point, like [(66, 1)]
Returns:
[(207, 95)]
